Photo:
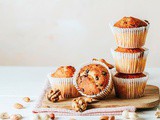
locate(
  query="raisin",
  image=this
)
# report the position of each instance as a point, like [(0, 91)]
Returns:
[(87, 71), (85, 75), (97, 78), (99, 89), (101, 85), (104, 73), (82, 89)]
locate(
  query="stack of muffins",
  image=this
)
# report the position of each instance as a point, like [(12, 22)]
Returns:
[(130, 57)]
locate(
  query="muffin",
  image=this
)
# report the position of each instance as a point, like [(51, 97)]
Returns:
[(110, 66), (130, 32), (130, 61), (94, 80), (130, 86), (62, 79), (64, 72)]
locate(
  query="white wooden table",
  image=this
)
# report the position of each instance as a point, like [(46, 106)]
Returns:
[(18, 82)]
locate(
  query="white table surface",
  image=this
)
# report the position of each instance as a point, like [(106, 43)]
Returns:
[(18, 82)]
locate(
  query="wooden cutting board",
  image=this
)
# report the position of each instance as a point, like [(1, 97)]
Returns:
[(149, 100)]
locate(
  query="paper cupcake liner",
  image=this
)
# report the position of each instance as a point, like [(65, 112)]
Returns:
[(65, 85), (129, 37), (103, 94), (130, 63), (130, 88)]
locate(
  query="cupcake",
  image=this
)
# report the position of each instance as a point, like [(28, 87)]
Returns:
[(130, 61), (110, 66), (94, 80), (62, 79), (130, 86), (130, 32)]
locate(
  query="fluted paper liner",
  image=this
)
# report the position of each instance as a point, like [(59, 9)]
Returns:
[(130, 63), (103, 94), (65, 85), (129, 37), (130, 88)]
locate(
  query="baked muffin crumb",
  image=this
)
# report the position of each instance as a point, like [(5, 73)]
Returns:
[(129, 50), (64, 72), (130, 76), (130, 22)]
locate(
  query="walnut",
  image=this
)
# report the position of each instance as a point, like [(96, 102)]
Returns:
[(53, 96), (16, 117), (157, 113), (26, 99), (18, 106), (107, 118), (4, 115), (79, 104)]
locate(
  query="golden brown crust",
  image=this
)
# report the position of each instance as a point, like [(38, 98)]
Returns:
[(110, 66), (129, 50), (130, 22), (130, 76), (64, 72), (93, 79)]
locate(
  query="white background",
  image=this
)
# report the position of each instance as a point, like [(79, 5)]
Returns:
[(58, 32)]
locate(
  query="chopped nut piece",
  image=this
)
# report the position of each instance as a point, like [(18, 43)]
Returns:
[(79, 104), (88, 100), (16, 117), (45, 116), (111, 117), (36, 117), (52, 116), (107, 118), (104, 118), (133, 115), (4, 115), (72, 119), (46, 106), (157, 113), (53, 96), (125, 114), (18, 106), (26, 99), (20, 116)]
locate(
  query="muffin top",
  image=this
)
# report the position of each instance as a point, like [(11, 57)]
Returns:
[(64, 72), (129, 50), (103, 61), (130, 22), (129, 76), (92, 79)]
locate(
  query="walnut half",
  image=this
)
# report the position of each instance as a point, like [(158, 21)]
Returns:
[(79, 104)]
